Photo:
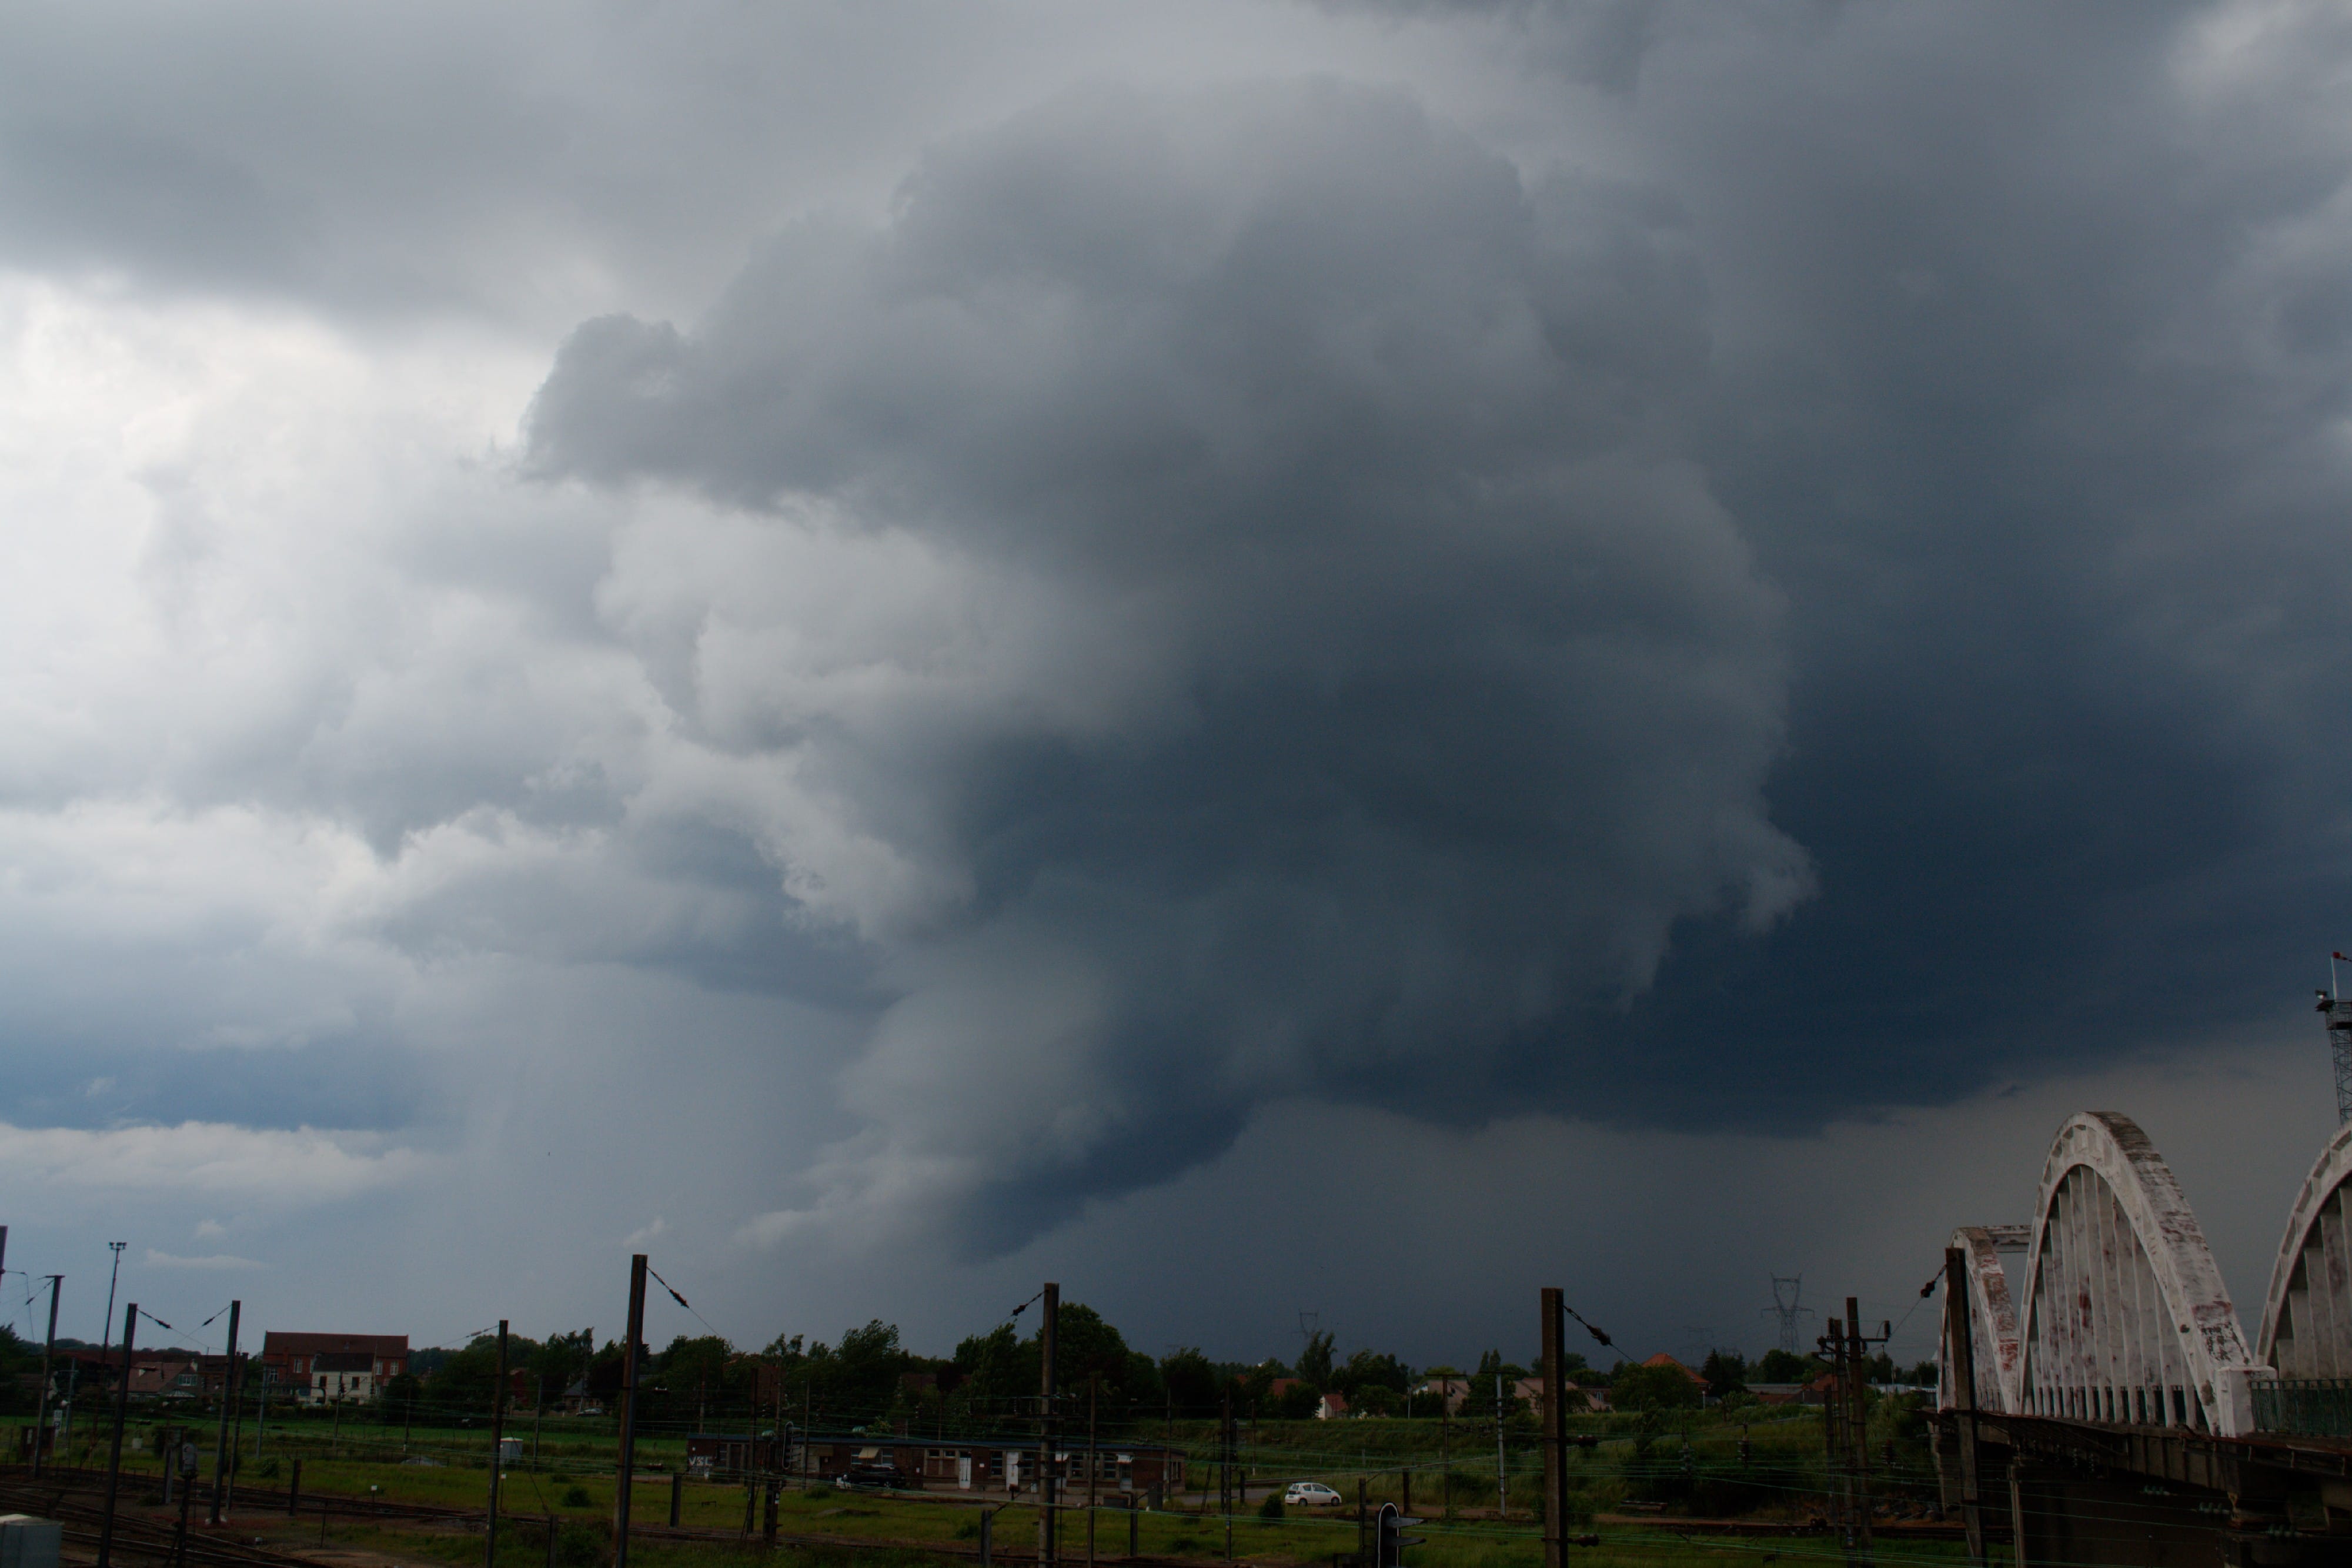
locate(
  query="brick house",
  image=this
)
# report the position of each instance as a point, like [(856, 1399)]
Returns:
[(325, 1368)]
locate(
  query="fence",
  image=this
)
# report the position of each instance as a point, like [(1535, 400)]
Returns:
[(2305, 1407)]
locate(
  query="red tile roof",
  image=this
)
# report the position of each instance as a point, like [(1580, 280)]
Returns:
[(388, 1344)]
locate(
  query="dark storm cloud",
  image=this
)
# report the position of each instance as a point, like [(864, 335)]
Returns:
[(1812, 584), (1438, 685), (2034, 416)]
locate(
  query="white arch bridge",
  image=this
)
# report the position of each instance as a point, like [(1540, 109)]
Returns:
[(2100, 1397)]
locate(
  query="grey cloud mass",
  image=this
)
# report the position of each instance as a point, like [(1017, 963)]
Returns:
[(1346, 667), (939, 630)]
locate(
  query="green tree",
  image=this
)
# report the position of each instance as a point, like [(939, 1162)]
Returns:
[(467, 1380), (1190, 1381), (1652, 1388), (1367, 1369), (1315, 1361), (1481, 1406), (401, 1394), (559, 1362), (1724, 1370), (1780, 1366)]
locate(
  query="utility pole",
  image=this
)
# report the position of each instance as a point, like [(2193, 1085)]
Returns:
[(1094, 1465), (1833, 1426), (237, 1422), (1960, 1340), (1445, 1444), (498, 1451), (1858, 1427), (1225, 1489), (107, 1324), (1555, 1433), (48, 1347), (1502, 1479), (114, 1455), (1048, 1327), (628, 1441), (1225, 1453), (223, 1449)]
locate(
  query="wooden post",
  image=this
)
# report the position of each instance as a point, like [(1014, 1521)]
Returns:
[(1858, 1431), (223, 1447), (1832, 1420), (49, 1346), (1555, 1436), (114, 1454), (2017, 1554), (1048, 1325), (1960, 1340), (498, 1452), (1094, 1387), (628, 1440), (676, 1495)]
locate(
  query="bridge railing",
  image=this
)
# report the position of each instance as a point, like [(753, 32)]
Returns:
[(2304, 1407)]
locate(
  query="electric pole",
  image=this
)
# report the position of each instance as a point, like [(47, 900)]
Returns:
[(114, 1454), (107, 1326), (223, 1447), (1959, 1342), (48, 1347), (1845, 1424), (628, 1442), (1502, 1478), (1555, 1431), (1789, 1309), (1858, 1427), (1048, 1327), (498, 1451)]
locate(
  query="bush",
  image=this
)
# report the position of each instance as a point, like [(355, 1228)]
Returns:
[(576, 1497), (267, 1470), (968, 1531), (578, 1546), (1271, 1507), (820, 1490)]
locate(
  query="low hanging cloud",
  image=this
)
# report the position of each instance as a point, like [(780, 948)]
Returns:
[(208, 1262), (270, 1169), (1249, 622)]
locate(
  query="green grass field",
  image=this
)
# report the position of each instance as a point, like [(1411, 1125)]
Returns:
[(1684, 1465)]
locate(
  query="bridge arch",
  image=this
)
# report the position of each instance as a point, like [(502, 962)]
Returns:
[(2307, 1316), (2125, 1317), (1993, 1317)]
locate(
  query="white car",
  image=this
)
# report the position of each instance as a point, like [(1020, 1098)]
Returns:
[(1309, 1494)]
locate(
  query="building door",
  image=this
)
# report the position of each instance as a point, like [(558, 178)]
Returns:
[(963, 1473)]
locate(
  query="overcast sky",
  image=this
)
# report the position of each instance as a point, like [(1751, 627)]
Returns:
[(1262, 656)]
